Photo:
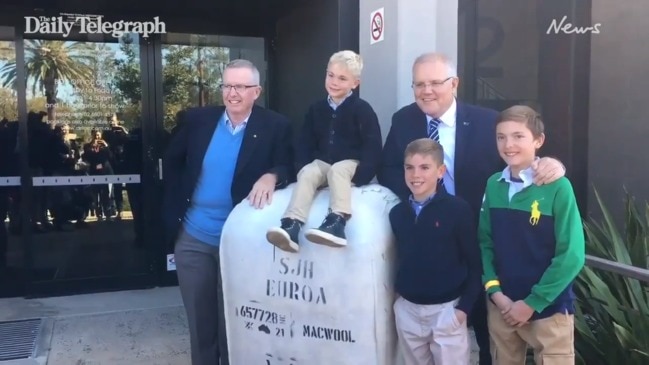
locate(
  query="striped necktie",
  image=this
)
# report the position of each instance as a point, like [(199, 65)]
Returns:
[(433, 133)]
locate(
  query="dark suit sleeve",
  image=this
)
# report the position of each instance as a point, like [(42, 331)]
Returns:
[(306, 142), (391, 173), (371, 150), (173, 162), (282, 159), (470, 251)]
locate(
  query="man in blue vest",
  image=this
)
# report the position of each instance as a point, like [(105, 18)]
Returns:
[(220, 157)]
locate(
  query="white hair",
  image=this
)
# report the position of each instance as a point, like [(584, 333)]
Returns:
[(241, 63), (350, 60), (437, 57)]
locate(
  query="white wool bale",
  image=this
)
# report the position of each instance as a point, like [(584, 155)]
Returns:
[(322, 305)]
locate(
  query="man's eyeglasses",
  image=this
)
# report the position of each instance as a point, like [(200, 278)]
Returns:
[(435, 85), (238, 88)]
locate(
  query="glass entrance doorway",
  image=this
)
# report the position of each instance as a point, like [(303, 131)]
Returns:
[(81, 143), (11, 248), (80, 197), (84, 127)]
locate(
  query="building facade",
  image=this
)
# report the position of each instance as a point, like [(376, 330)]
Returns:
[(578, 62)]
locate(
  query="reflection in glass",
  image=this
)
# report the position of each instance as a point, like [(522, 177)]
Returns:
[(84, 153), (192, 69), (11, 254), (191, 77)]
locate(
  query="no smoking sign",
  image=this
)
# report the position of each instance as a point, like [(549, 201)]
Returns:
[(377, 24)]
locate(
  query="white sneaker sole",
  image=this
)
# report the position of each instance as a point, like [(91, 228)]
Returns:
[(279, 238), (324, 238)]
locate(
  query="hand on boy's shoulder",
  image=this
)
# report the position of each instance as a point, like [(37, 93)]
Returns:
[(547, 170)]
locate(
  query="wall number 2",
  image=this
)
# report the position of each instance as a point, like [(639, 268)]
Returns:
[(491, 48)]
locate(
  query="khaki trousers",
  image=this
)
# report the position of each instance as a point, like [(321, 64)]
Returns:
[(318, 174), (431, 334), (551, 338)]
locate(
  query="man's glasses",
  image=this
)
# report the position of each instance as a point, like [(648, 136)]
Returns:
[(238, 88), (435, 85)]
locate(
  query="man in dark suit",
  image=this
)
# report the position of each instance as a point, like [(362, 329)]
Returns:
[(468, 135), (218, 158)]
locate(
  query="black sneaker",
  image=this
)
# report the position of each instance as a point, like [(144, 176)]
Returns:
[(286, 236), (330, 233)]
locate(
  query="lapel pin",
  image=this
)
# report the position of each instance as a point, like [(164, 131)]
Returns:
[(254, 136), (466, 123)]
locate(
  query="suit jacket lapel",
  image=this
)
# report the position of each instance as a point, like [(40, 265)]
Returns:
[(462, 131), (252, 133)]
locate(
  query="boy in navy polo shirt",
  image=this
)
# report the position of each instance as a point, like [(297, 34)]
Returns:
[(438, 263), (340, 146), (532, 244)]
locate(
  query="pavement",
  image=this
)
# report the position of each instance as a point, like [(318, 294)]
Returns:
[(131, 327), (139, 327)]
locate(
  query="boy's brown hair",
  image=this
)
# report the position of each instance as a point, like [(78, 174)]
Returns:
[(523, 114), (426, 147)]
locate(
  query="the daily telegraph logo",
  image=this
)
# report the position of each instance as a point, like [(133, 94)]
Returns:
[(91, 25)]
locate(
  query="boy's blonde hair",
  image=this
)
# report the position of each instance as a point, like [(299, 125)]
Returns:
[(350, 60), (426, 147), (526, 115)]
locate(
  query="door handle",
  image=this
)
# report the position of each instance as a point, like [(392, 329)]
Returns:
[(160, 169)]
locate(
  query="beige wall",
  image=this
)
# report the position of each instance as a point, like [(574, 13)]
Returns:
[(619, 93), (412, 27)]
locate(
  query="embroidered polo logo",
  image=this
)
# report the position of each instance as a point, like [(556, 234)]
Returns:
[(536, 213)]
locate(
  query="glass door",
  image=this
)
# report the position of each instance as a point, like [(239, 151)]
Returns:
[(11, 245), (85, 119), (192, 70)]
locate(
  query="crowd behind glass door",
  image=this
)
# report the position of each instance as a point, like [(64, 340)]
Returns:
[(55, 150)]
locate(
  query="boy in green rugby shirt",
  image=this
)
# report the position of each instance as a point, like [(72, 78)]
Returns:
[(532, 244)]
